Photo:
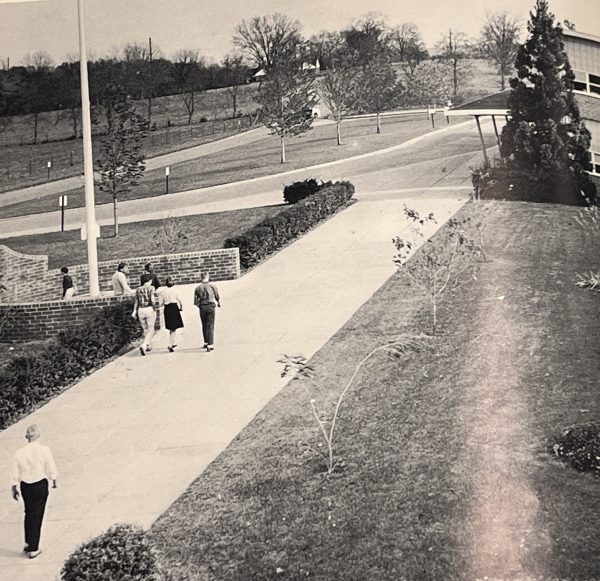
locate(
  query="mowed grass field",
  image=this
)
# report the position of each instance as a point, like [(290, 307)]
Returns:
[(23, 164), (257, 159), (202, 232), (446, 473)]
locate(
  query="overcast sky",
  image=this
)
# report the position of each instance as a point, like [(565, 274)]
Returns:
[(207, 25)]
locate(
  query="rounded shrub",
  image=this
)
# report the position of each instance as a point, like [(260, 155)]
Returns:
[(122, 553), (580, 446), (297, 191)]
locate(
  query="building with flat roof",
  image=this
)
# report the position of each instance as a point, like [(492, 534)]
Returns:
[(583, 51), (584, 55)]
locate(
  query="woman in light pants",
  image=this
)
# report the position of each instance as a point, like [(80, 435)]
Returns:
[(144, 307)]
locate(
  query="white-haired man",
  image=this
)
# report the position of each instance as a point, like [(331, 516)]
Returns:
[(33, 467)]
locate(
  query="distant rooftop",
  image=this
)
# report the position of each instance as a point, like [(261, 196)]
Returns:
[(583, 35), (495, 104)]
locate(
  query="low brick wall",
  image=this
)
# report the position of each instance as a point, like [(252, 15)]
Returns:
[(27, 278), (26, 316), (43, 320)]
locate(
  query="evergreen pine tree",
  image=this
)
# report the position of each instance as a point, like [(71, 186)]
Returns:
[(545, 134)]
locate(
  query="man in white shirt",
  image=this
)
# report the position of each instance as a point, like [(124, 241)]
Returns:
[(119, 281), (33, 467)]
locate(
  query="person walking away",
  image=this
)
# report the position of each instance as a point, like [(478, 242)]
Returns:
[(144, 307), (173, 306), (119, 281), (33, 467), (148, 269), (206, 298), (68, 285)]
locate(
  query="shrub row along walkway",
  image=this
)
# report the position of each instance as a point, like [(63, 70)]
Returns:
[(131, 437)]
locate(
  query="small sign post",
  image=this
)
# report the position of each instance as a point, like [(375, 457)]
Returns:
[(49, 168), (62, 202), (432, 115), (167, 172)]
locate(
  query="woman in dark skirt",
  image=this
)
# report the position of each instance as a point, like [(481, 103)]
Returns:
[(173, 307)]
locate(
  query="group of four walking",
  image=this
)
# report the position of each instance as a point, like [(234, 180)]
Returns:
[(151, 296)]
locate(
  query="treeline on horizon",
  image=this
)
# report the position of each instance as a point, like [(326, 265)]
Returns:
[(259, 43)]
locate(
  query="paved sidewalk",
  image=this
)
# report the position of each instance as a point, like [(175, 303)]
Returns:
[(131, 437)]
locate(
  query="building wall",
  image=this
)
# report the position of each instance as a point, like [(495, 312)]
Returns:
[(27, 278), (584, 54)]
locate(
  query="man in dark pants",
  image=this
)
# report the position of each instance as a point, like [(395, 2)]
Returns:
[(33, 466), (206, 298)]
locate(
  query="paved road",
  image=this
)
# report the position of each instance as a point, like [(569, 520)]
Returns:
[(414, 159), (131, 437)]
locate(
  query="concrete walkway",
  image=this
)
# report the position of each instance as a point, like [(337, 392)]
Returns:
[(131, 437)]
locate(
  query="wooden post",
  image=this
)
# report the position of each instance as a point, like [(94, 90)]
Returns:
[(485, 157), (496, 130)]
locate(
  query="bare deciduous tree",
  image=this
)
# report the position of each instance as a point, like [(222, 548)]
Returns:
[(235, 75), (39, 60), (286, 96), (121, 164), (186, 74), (269, 41), (500, 43), (453, 48), (339, 89)]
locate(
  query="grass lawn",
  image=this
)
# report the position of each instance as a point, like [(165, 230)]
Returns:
[(203, 231), (446, 473), (254, 160)]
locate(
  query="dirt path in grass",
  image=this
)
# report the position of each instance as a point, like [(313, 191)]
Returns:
[(504, 538)]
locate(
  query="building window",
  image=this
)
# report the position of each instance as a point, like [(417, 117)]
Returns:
[(594, 165), (586, 83)]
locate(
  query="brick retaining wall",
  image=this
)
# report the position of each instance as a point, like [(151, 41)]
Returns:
[(43, 320), (27, 278), (25, 316)]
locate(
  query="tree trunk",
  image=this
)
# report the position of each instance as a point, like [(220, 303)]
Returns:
[(74, 118), (115, 217), (282, 149), (191, 105), (234, 96), (378, 123), (149, 111), (35, 128), (339, 131)]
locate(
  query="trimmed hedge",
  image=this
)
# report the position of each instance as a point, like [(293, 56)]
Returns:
[(273, 233), (30, 380), (297, 191), (122, 553)]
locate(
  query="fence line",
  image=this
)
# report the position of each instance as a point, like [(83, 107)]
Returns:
[(62, 162)]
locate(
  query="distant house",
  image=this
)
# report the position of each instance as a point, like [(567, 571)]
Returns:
[(259, 75), (309, 67)]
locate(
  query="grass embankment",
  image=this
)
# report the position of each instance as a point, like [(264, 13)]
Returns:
[(254, 160), (203, 232), (446, 475), (24, 163)]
